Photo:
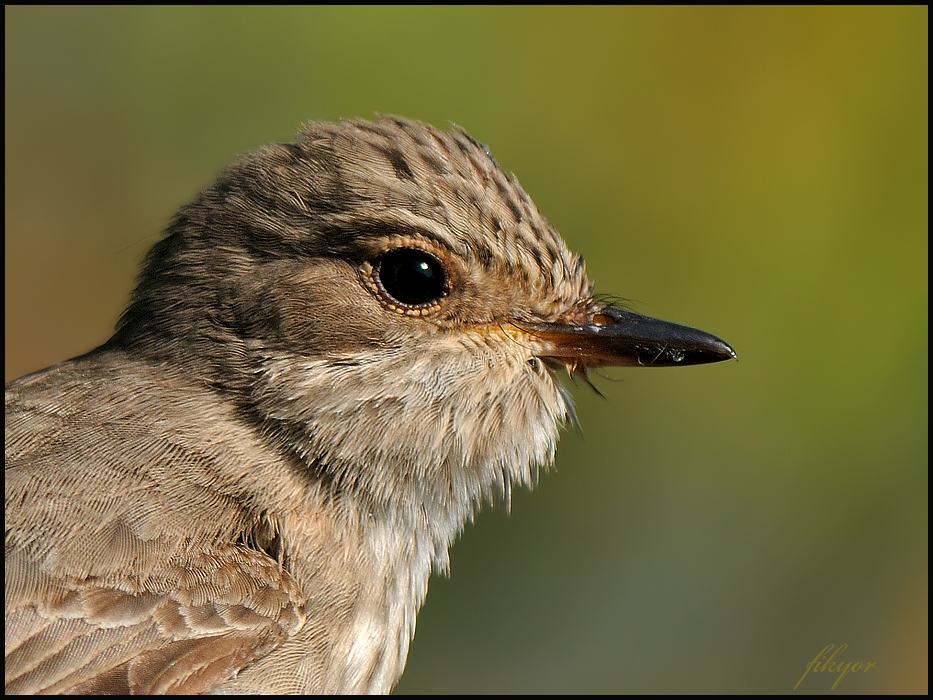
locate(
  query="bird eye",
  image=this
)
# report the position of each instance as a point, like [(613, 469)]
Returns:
[(410, 278)]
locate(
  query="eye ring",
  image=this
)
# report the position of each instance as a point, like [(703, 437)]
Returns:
[(410, 280)]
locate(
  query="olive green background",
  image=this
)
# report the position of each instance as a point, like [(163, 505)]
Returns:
[(760, 173)]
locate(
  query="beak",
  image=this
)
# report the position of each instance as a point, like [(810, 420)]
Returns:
[(613, 337)]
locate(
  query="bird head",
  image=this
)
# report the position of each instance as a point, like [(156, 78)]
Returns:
[(388, 307)]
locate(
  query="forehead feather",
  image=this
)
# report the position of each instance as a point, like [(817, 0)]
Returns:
[(358, 181), (396, 168)]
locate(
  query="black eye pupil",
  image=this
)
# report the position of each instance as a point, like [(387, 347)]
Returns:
[(411, 277)]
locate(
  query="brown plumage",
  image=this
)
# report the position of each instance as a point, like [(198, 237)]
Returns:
[(338, 351)]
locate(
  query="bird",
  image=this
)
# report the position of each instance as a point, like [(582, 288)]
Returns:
[(335, 355)]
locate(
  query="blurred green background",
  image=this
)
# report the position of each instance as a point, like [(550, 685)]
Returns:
[(760, 173)]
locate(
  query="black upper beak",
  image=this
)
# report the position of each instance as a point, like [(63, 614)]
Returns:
[(622, 338)]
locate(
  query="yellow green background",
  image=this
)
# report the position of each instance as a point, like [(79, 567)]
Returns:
[(760, 173)]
